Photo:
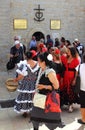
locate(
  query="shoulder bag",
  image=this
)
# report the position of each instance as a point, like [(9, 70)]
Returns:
[(10, 64), (39, 100), (52, 103)]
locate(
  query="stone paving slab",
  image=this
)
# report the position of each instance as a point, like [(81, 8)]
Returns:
[(9, 120)]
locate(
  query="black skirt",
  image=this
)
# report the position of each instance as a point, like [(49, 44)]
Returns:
[(82, 97), (50, 119)]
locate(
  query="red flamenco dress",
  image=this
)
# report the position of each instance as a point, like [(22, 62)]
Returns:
[(68, 96)]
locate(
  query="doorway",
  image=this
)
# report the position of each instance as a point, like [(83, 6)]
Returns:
[(38, 35)]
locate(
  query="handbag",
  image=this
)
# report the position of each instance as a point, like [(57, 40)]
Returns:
[(77, 84), (52, 103), (10, 64), (39, 100)]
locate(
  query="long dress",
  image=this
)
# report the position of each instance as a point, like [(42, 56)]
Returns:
[(59, 69), (26, 89), (38, 115), (68, 96)]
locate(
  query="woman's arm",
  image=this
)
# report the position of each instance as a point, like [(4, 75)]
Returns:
[(74, 80), (20, 77), (53, 79)]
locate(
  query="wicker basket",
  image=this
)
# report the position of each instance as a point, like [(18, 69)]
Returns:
[(11, 85)]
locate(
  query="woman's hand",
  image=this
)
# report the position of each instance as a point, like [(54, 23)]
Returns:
[(73, 82), (15, 80), (40, 86)]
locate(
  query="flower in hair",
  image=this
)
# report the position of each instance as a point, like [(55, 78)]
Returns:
[(41, 45), (50, 57), (57, 51)]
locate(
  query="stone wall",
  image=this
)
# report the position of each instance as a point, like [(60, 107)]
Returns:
[(71, 13)]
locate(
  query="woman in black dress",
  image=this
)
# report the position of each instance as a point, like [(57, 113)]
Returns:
[(46, 79)]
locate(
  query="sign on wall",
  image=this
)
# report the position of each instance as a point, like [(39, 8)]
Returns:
[(55, 24), (20, 24)]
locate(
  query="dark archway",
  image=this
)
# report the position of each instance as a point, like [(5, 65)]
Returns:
[(39, 35)]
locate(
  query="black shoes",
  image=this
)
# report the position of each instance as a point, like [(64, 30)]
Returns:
[(81, 122)]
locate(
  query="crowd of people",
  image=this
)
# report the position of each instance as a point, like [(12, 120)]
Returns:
[(62, 59)]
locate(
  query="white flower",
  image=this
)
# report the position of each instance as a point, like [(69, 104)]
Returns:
[(50, 57)]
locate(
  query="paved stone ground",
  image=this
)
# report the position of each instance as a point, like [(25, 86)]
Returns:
[(9, 120)]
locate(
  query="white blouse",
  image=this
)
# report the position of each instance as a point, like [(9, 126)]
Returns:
[(82, 75)]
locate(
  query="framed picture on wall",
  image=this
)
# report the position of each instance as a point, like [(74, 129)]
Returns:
[(55, 24), (20, 23)]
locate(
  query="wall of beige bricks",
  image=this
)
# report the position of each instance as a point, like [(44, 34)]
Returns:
[(71, 13)]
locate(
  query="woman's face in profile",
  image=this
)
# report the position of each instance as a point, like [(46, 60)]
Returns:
[(68, 52), (41, 63)]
